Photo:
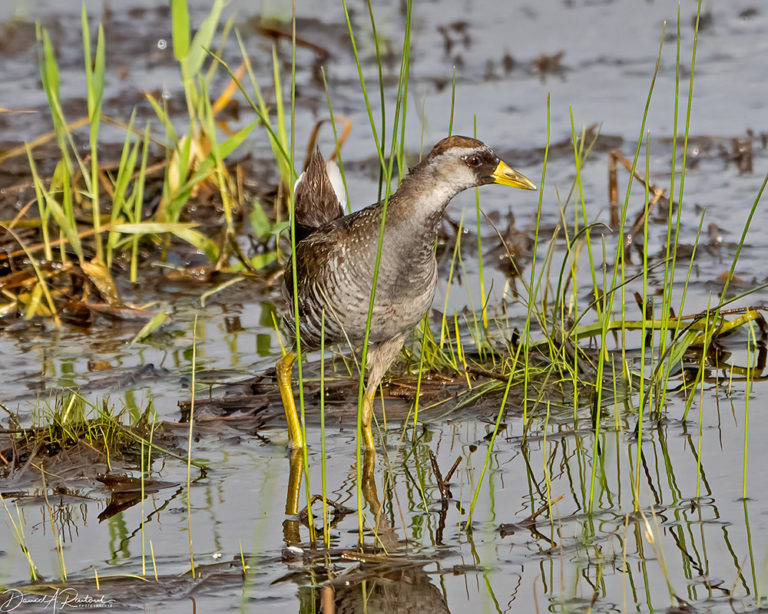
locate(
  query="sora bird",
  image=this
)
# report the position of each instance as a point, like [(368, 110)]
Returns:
[(336, 258)]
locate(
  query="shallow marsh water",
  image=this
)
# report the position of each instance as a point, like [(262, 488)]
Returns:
[(709, 541)]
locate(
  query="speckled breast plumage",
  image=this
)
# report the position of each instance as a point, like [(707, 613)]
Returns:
[(335, 269)]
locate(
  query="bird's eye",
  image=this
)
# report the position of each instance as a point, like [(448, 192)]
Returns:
[(473, 161)]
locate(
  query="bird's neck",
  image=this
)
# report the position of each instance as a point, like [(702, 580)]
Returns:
[(422, 198)]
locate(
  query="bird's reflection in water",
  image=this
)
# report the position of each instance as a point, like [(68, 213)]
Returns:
[(373, 586), (291, 524), (374, 590), (384, 532)]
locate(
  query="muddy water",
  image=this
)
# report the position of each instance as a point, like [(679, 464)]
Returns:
[(710, 543)]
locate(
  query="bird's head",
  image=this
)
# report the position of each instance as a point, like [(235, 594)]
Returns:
[(466, 163)]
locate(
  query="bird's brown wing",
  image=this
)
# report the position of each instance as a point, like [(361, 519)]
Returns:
[(315, 202)]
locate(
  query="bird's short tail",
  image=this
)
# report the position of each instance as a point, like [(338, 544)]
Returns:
[(316, 201)]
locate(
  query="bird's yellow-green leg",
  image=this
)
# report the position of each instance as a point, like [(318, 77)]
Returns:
[(284, 368), (379, 358)]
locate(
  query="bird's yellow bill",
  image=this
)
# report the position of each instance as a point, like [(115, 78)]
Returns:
[(506, 176)]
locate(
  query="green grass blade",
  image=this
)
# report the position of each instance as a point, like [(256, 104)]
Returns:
[(180, 29)]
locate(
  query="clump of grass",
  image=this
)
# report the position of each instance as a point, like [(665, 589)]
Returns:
[(71, 419), (91, 213)]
